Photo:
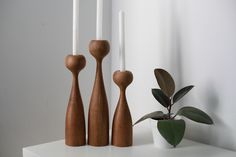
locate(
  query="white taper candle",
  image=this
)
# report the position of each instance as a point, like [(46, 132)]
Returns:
[(75, 27), (99, 19), (122, 41)]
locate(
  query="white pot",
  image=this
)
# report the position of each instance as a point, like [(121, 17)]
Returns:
[(158, 140)]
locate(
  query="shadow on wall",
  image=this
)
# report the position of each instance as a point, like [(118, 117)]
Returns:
[(219, 133), (176, 47), (209, 134), (170, 38), (213, 106)]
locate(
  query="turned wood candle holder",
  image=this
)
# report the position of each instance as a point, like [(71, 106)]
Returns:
[(98, 120), (122, 131), (75, 123)]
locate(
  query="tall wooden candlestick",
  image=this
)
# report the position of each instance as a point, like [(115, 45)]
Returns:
[(98, 120), (122, 132), (75, 123)]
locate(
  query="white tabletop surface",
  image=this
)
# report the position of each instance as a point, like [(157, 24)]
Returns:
[(187, 148)]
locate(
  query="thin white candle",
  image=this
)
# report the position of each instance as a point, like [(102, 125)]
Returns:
[(99, 19), (122, 41), (75, 27)]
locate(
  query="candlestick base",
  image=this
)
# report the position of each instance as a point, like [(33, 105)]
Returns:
[(98, 120), (75, 121), (122, 131)]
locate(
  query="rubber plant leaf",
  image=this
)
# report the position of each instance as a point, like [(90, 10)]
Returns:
[(195, 114), (154, 115), (165, 81), (172, 130), (181, 93), (161, 97)]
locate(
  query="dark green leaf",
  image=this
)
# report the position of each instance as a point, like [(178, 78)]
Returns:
[(172, 130), (195, 115), (154, 115), (161, 97), (181, 93), (165, 116), (165, 81)]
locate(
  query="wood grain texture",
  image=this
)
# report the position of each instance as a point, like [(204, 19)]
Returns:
[(122, 131), (75, 133), (98, 120)]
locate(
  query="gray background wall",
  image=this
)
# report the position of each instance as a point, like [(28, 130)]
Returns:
[(195, 40), (35, 36)]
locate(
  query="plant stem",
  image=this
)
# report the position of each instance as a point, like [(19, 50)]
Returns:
[(174, 117), (169, 110)]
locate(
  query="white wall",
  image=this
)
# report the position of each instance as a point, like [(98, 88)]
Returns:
[(193, 39), (35, 36)]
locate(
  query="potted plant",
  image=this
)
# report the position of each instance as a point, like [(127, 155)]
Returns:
[(168, 127)]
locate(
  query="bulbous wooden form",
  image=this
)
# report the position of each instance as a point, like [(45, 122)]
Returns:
[(98, 120), (75, 123), (122, 131)]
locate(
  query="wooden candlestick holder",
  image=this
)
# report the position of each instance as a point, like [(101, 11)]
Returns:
[(75, 123), (98, 120), (122, 131)]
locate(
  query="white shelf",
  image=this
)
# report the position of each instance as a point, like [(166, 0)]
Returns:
[(187, 148)]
